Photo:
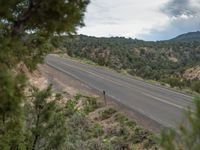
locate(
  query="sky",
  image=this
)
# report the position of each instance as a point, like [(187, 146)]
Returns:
[(142, 19)]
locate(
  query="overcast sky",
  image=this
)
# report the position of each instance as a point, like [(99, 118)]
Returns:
[(142, 19)]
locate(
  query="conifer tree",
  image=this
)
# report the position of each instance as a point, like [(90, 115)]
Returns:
[(188, 133), (26, 30)]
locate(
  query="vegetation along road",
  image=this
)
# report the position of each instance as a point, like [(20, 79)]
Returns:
[(157, 103)]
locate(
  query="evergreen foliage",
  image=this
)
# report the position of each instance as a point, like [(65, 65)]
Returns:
[(45, 126), (11, 110), (27, 29), (189, 134)]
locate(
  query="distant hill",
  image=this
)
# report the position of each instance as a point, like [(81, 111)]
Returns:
[(188, 37)]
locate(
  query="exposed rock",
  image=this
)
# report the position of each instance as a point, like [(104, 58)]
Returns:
[(192, 73)]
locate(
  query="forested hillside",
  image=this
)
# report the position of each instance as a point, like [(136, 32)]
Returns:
[(163, 60)]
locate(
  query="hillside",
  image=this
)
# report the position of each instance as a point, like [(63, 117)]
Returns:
[(163, 61), (188, 37)]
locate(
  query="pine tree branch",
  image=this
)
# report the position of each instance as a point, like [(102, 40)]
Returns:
[(19, 23)]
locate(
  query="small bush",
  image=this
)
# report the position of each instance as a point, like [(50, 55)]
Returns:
[(97, 130), (139, 135), (120, 131), (118, 143), (123, 120), (107, 113), (150, 142), (78, 120), (77, 97), (196, 86), (175, 82), (96, 144), (90, 105), (70, 107)]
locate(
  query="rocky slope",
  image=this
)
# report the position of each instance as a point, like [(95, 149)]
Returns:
[(192, 73)]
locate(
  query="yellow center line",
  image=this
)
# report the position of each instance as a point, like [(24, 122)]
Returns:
[(94, 74), (164, 101)]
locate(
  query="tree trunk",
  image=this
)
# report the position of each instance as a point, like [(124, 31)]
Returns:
[(3, 118), (37, 134), (35, 142)]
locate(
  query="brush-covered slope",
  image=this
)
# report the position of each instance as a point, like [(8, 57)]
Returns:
[(152, 60)]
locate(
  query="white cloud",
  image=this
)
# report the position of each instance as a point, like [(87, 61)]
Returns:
[(183, 16), (133, 18)]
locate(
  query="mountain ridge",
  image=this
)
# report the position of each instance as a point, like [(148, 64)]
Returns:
[(187, 37)]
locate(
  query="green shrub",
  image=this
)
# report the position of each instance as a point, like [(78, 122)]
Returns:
[(97, 144), (123, 120), (139, 135), (70, 107), (97, 130), (90, 104), (77, 97), (78, 120), (196, 86), (105, 114), (119, 131), (175, 82), (150, 142), (118, 143)]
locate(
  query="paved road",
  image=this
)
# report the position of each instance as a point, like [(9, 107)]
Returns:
[(159, 104)]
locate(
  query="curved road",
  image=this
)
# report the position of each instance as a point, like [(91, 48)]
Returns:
[(158, 103)]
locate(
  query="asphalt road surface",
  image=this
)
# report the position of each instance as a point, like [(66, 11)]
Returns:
[(155, 102)]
